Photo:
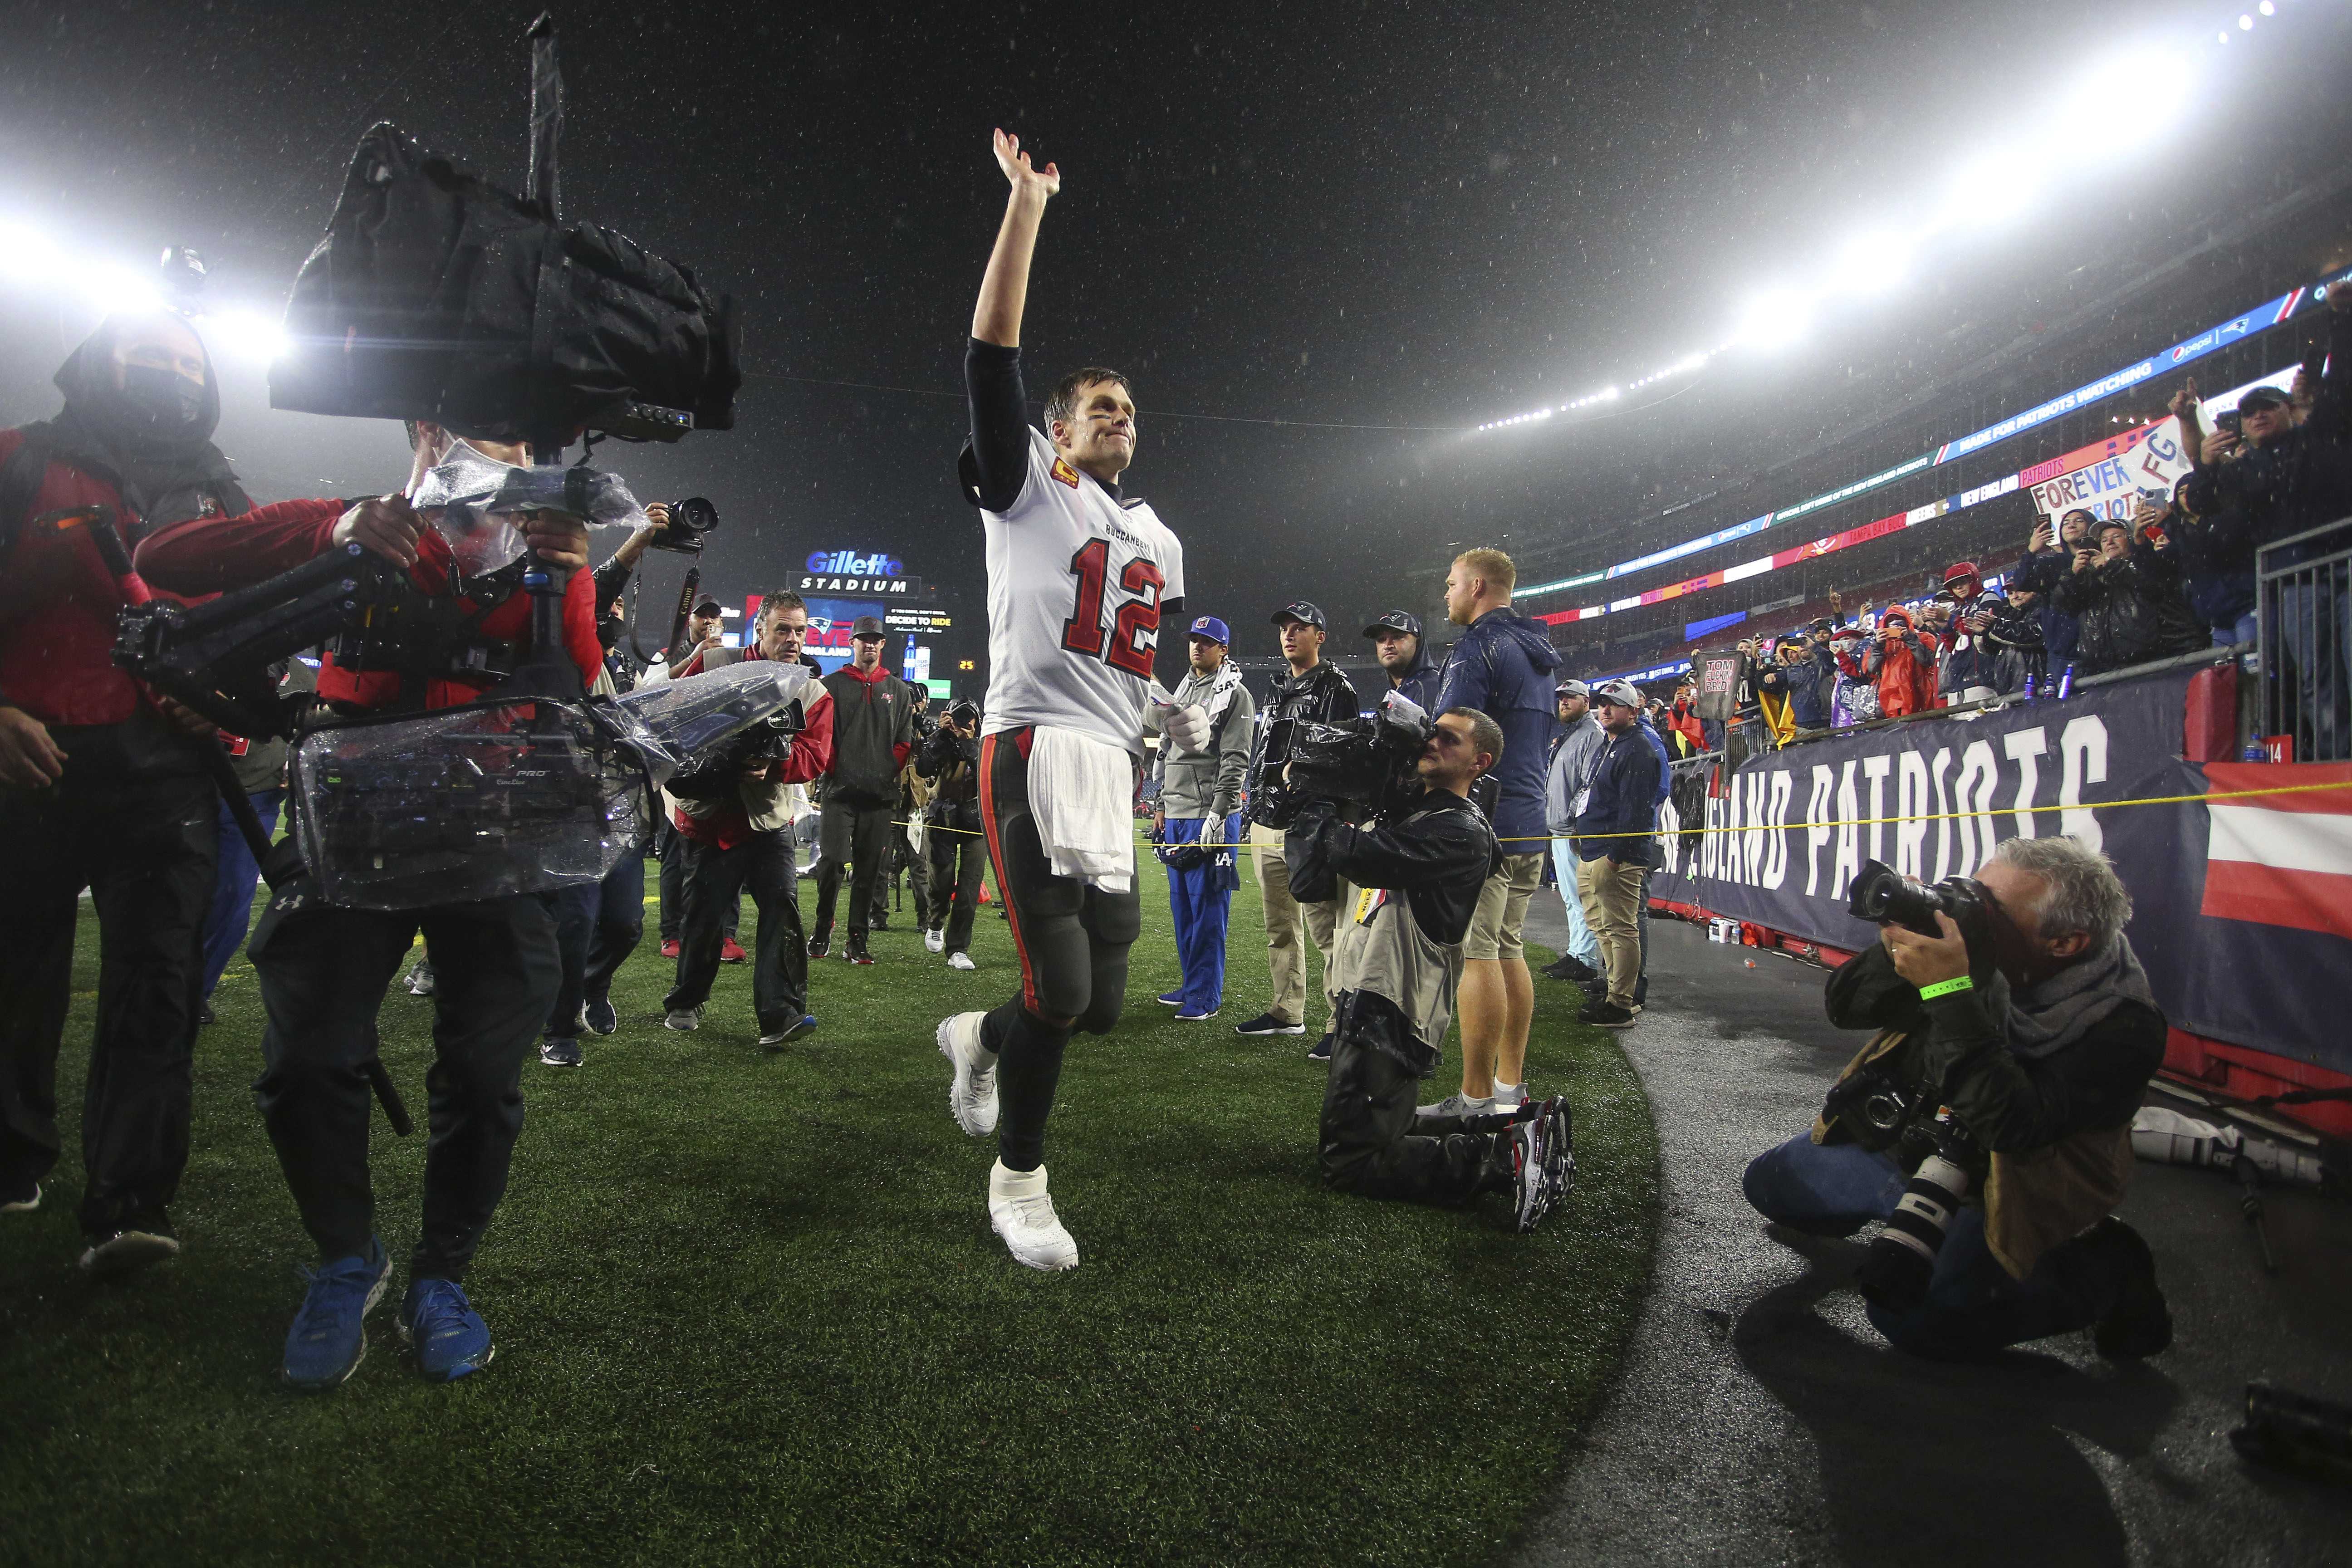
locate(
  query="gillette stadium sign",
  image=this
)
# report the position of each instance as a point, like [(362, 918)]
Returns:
[(847, 571)]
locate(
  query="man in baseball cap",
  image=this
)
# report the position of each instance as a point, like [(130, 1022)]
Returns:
[(1967, 674), (1614, 832), (1313, 690), (1205, 730), (873, 732), (1581, 739), (1396, 640)]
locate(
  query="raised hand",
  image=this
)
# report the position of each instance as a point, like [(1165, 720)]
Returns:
[(1017, 169)]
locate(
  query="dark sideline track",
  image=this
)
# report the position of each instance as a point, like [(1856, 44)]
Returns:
[(1757, 1419)]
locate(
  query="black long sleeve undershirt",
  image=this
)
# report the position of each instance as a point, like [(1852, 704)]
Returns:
[(999, 423)]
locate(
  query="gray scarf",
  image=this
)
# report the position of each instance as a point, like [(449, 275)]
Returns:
[(2070, 1003)]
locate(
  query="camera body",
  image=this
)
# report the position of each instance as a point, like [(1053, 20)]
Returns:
[(1371, 762), (692, 524)]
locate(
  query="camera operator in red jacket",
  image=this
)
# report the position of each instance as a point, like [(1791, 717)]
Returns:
[(101, 786), (323, 969)]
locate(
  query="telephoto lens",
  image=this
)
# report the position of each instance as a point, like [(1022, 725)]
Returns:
[(1902, 1260)]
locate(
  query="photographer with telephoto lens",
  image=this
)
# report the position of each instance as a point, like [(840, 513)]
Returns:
[(1418, 869), (1987, 1122)]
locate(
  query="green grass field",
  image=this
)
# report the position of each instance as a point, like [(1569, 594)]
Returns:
[(749, 1309)]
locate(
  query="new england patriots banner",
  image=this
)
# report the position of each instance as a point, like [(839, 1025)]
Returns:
[(2240, 902)]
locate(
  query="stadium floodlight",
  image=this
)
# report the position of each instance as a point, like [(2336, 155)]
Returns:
[(1872, 263), (1774, 318), (28, 256), (248, 334), (121, 291)]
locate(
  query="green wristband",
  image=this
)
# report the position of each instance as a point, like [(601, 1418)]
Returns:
[(1945, 987)]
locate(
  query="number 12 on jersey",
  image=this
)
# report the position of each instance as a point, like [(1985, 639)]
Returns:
[(1134, 635)]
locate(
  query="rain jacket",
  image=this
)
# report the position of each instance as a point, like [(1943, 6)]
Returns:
[(58, 600), (1905, 676), (2132, 611), (1503, 667)]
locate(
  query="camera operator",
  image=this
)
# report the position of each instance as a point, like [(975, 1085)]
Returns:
[(873, 733), (100, 787), (1404, 658), (1504, 666), (323, 969), (701, 647), (744, 837), (2037, 1031), (958, 848), (1201, 773), (1421, 870), (1316, 691)]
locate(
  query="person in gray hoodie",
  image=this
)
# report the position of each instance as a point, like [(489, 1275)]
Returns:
[(1572, 765), (1198, 810)]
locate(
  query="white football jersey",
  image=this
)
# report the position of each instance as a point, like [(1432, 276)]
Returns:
[(1074, 585)]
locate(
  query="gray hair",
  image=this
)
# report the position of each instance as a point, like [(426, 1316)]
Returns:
[(2082, 891)]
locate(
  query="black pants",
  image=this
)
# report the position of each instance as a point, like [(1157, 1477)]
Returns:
[(1072, 939), (133, 821), (958, 862), (1373, 1145), (918, 875), (596, 929), (855, 839), (673, 887), (323, 971), (714, 878)]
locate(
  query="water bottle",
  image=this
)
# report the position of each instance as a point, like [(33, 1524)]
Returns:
[(2029, 686), (2066, 683), (2255, 752)]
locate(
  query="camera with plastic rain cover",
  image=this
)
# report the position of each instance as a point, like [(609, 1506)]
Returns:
[(716, 773), (1370, 762)]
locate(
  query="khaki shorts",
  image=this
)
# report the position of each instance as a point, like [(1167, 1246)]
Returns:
[(1503, 909)]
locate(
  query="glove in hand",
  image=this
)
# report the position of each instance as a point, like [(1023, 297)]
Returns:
[(1188, 727)]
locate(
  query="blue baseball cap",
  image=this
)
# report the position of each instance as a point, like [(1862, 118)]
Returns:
[(1213, 628)]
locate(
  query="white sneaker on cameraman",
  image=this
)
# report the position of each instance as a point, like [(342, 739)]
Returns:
[(935, 940), (972, 1097), (1020, 1211), (961, 960)]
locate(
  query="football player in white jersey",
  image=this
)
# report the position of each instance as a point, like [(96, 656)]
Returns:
[(1080, 577)]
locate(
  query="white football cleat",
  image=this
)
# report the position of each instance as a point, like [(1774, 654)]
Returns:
[(972, 1097), (935, 940), (1020, 1211)]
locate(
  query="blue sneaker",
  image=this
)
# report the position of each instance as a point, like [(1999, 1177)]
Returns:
[(602, 1018), (441, 1326), (1171, 998), (329, 1339)]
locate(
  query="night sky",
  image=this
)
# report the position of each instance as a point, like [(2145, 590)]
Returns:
[(1385, 214)]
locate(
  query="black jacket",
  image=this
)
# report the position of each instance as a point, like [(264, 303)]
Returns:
[(1621, 797), (2131, 610), (2009, 1103), (952, 762), (873, 730), (1322, 695), (1439, 859)]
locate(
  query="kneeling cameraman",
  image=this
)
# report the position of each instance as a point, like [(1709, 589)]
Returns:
[(1396, 963), (2011, 1053)]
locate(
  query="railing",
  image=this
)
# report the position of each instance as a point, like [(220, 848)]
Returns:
[(2305, 600)]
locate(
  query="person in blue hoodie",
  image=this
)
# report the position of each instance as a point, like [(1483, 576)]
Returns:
[(1501, 667)]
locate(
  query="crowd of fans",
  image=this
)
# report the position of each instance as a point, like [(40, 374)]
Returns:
[(2090, 594)]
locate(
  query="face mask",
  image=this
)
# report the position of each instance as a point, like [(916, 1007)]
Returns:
[(166, 400)]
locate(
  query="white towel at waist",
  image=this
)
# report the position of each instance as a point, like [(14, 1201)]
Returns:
[(1082, 792)]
